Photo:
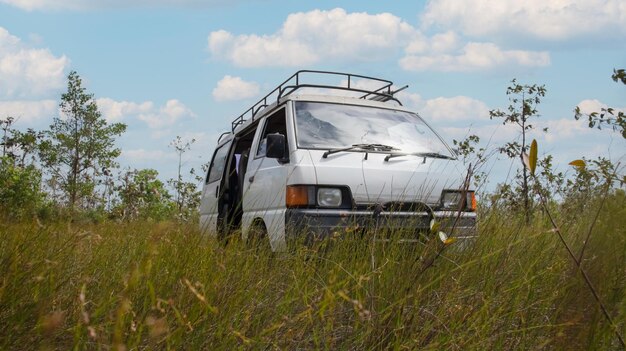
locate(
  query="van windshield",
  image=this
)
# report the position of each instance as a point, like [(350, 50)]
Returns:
[(328, 126)]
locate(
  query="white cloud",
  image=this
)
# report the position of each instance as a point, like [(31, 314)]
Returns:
[(168, 115), (474, 57), (458, 108), (591, 105), (446, 109), (165, 116), (564, 129), (26, 71), (31, 5), (221, 42), (308, 37), (438, 43), (546, 20), (28, 112), (115, 111), (410, 100), (234, 88), (25, 4)]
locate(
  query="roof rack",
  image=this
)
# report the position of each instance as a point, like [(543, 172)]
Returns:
[(296, 81)]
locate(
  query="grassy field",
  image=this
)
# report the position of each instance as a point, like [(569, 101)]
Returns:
[(162, 286)]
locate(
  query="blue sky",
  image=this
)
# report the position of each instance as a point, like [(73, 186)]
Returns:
[(156, 65)]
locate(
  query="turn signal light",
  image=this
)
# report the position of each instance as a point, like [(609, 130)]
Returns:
[(299, 195), (473, 204)]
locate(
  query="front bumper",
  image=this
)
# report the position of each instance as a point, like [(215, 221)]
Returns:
[(322, 223)]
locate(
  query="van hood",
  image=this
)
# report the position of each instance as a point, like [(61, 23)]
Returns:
[(401, 179)]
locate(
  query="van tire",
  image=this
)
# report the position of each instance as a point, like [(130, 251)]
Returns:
[(223, 231), (258, 239)]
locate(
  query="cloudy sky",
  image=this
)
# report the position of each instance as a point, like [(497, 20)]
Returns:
[(188, 67)]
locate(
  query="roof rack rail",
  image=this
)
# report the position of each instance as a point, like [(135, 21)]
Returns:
[(222, 135), (382, 93)]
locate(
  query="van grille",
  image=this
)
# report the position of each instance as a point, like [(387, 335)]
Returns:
[(396, 206)]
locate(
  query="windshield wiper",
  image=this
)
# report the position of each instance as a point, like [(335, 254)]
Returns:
[(364, 147), (421, 154)]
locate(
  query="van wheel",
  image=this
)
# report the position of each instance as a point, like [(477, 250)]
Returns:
[(258, 239), (223, 231), (228, 233)]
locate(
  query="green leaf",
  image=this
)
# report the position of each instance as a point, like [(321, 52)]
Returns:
[(532, 158), (578, 163)]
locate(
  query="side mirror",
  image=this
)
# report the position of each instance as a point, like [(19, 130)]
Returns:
[(276, 147)]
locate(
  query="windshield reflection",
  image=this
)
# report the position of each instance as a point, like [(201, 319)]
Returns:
[(327, 126)]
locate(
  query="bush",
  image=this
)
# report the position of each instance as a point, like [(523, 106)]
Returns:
[(20, 189)]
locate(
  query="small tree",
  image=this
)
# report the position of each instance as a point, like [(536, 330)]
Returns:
[(592, 179), (523, 101), (473, 157), (79, 146), (187, 195), (143, 195), (607, 116), (5, 125), (20, 189), (20, 183), (17, 145)]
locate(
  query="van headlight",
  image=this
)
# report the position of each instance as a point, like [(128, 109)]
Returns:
[(329, 197), (318, 196), (451, 200)]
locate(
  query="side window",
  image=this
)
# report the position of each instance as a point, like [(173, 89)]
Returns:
[(217, 165), (275, 123)]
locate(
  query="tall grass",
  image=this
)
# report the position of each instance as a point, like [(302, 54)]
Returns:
[(163, 286)]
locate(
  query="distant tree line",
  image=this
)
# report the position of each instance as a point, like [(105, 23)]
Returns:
[(70, 170)]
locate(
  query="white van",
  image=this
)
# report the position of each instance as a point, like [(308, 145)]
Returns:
[(298, 164)]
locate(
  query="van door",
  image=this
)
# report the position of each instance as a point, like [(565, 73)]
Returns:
[(265, 184), (209, 205)]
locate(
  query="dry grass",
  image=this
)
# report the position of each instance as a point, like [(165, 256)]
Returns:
[(162, 286)]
